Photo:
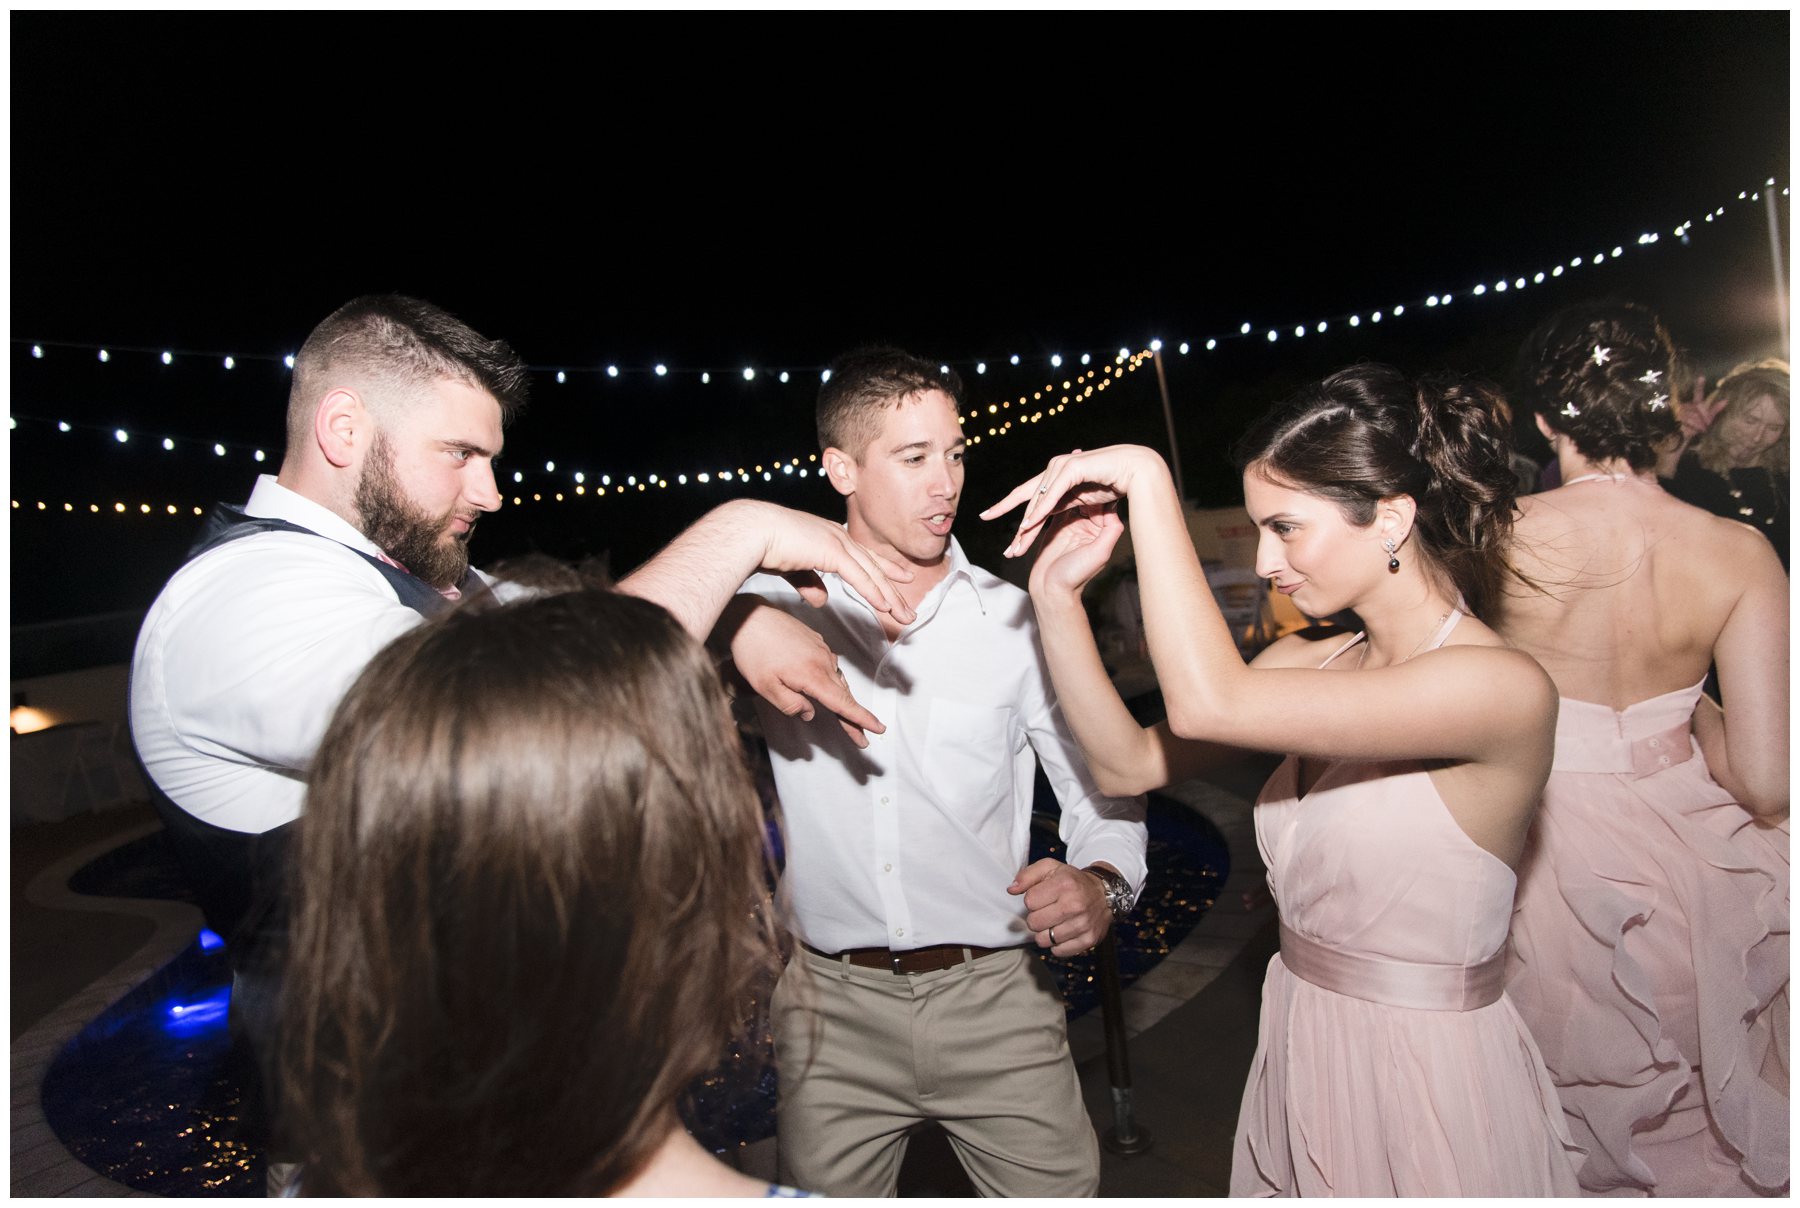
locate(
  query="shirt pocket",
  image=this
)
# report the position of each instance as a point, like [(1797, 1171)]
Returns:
[(969, 753)]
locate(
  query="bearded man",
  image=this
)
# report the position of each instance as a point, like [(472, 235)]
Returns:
[(394, 419)]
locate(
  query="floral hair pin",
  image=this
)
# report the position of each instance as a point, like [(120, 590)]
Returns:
[(1659, 402), (1651, 378), (1571, 410), (1602, 355)]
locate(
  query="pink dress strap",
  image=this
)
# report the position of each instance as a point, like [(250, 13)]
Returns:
[(1396, 983)]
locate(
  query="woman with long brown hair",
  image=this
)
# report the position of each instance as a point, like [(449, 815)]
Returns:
[(531, 907), (1650, 947), (1389, 1061)]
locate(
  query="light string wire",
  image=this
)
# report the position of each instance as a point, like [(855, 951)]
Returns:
[(1077, 388)]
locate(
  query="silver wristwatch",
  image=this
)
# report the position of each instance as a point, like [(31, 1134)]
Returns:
[(1118, 891)]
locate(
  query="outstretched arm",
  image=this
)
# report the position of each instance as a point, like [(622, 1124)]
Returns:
[(695, 575), (1418, 709)]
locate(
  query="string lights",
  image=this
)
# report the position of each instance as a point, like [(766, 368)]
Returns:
[(990, 421)]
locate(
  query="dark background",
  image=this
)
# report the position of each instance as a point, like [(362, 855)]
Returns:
[(715, 191)]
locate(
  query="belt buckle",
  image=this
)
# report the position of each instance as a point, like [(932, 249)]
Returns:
[(894, 961)]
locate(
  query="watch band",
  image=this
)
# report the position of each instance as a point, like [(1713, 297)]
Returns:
[(1118, 891)]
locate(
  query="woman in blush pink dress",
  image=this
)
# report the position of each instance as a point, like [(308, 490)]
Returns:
[(1390, 1061), (1650, 948)]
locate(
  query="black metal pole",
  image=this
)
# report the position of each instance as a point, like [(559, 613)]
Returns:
[(1126, 1136)]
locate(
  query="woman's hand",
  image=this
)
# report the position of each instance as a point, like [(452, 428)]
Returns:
[(1078, 479), (1077, 549)]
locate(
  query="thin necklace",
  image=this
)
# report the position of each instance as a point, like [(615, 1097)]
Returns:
[(1608, 477), (1364, 657)]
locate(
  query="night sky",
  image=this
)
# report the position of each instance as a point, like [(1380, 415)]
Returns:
[(717, 191)]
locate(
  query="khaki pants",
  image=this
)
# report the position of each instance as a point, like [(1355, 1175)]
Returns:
[(981, 1048)]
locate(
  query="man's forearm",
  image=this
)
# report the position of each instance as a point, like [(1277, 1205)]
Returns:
[(695, 575)]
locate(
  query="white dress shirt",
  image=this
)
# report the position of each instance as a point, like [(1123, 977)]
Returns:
[(913, 841), (245, 655)]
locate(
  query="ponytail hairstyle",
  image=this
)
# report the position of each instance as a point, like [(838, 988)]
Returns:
[(1369, 433), (1601, 374)]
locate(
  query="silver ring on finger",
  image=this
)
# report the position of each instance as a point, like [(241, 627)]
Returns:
[(1052, 931)]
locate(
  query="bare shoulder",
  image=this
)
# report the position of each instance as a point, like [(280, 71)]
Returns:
[(1305, 649), (1504, 675)]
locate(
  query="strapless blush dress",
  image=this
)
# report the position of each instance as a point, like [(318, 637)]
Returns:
[(1650, 957)]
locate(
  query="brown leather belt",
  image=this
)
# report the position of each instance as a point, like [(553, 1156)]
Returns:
[(913, 960)]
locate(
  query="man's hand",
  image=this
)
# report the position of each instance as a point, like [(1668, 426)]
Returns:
[(790, 666), (1066, 901), (796, 544), (696, 575)]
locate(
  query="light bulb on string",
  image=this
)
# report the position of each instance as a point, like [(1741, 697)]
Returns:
[(784, 376), (288, 360), (168, 358), (662, 370), (1211, 344), (561, 377), (749, 375), (230, 363), (63, 426), (1056, 359), (168, 444), (612, 371), (1244, 330), (120, 435), (37, 351), (105, 356)]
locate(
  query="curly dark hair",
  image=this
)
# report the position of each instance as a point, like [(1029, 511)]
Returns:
[(1601, 373), (1369, 433)]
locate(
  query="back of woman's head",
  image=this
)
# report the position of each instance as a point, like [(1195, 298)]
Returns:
[(1370, 433), (1735, 399), (1601, 374), (530, 904)]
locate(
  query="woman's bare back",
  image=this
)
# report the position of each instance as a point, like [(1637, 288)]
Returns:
[(1635, 588)]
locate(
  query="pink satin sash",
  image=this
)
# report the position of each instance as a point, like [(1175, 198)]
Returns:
[(1396, 983)]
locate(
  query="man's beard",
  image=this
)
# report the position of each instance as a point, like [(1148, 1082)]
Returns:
[(402, 529)]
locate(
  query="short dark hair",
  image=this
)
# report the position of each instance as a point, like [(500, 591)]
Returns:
[(402, 345), (1369, 433), (531, 902), (862, 383)]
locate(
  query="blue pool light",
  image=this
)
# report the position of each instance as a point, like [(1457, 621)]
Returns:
[(210, 940)]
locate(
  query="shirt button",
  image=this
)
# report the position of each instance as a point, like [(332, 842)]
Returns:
[(899, 931), (1656, 742), (884, 801), (887, 868), (1664, 759)]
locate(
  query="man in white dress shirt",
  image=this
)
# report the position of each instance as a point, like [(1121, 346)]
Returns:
[(394, 419), (916, 992)]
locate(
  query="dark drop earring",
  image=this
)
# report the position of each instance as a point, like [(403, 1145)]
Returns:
[(1393, 562)]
